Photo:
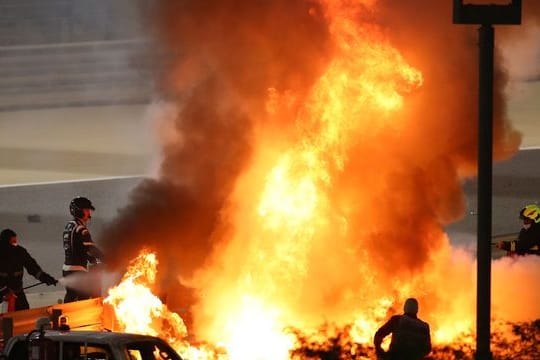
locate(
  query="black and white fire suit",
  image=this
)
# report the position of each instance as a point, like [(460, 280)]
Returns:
[(80, 251), (13, 260)]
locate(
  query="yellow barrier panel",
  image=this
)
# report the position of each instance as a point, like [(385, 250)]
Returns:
[(82, 315)]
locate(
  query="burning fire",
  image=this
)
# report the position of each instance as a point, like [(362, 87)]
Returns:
[(137, 310), (335, 222), (288, 235)]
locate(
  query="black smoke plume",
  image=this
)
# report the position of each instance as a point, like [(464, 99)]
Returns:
[(218, 60)]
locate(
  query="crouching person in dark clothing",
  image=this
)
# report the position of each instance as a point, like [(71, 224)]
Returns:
[(411, 339), (13, 260)]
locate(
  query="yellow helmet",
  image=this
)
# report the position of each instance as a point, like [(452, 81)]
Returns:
[(530, 212)]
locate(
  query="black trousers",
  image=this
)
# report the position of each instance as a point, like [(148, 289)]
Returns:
[(21, 303)]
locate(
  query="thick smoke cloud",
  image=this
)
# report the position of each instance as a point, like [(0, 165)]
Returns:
[(448, 56), (415, 173), (521, 45), (531, 12), (221, 58)]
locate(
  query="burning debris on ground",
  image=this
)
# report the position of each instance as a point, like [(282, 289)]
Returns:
[(308, 180), (522, 343), (137, 310), (336, 344)]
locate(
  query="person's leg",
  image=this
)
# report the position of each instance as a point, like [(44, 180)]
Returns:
[(21, 303), (71, 294)]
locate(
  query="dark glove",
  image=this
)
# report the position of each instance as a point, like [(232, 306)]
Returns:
[(47, 279), (95, 256), (94, 261)]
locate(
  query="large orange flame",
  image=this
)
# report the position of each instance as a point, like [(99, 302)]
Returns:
[(295, 220), (308, 240), (137, 310)]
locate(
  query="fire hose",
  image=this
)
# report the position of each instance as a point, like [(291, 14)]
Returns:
[(31, 286)]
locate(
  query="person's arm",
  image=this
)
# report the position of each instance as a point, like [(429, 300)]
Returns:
[(94, 254), (427, 346), (92, 251), (525, 241), (31, 265), (383, 332)]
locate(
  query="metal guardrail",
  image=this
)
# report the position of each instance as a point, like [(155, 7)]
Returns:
[(87, 314)]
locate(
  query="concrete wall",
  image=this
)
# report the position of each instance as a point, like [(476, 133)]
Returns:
[(75, 74), (76, 81), (60, 53), (27, 22), (75, 143)]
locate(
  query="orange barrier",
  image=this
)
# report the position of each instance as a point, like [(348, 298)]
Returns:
[(83, 315)]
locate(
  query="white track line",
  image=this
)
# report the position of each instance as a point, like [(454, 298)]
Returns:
[(75, 181)]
